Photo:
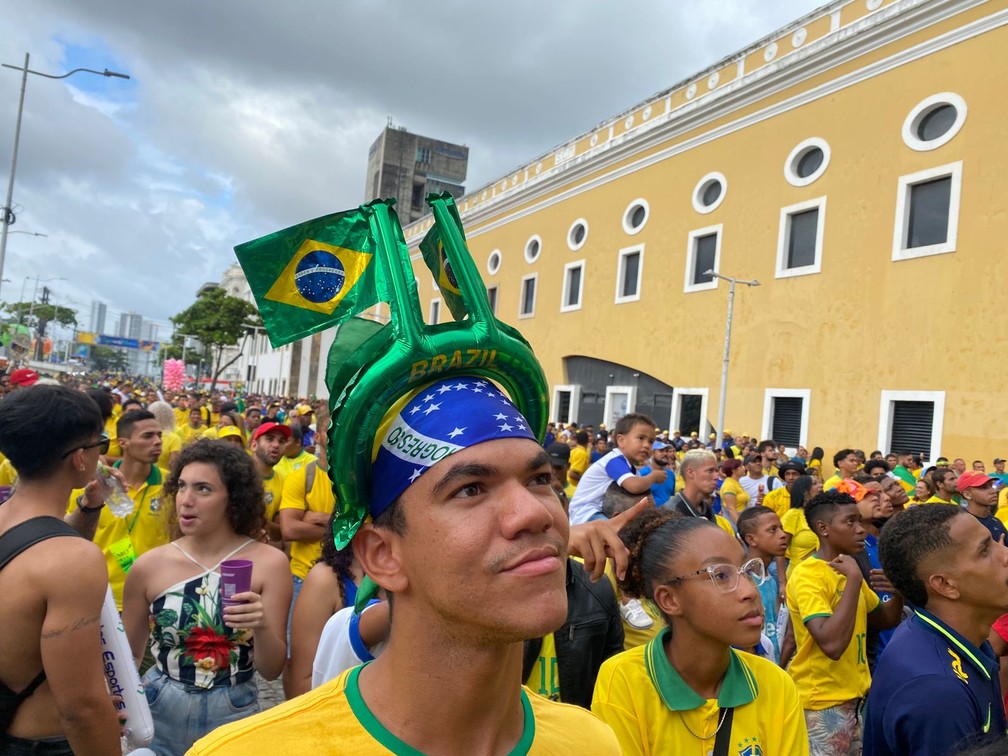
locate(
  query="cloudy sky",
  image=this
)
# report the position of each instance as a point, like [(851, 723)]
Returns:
[(242, 116)]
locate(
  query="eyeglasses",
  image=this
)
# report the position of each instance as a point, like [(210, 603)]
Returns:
[(726, 576), (102, 443)]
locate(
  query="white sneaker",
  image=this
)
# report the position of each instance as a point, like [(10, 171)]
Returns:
[(635, 615)]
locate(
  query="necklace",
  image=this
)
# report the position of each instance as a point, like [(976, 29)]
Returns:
[(724, 714)]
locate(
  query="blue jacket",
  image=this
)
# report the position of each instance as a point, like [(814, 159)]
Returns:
[(933, 692)]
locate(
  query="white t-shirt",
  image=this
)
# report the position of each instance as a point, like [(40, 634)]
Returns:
[(340, 646), (597, 478), (750, 486)]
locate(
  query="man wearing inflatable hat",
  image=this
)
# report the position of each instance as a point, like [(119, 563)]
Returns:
[(445, 493)]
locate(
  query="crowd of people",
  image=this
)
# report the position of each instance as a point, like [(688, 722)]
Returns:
[(659, 593)]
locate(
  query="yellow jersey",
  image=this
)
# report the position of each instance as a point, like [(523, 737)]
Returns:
[(804, 541), (122, 540), (171, 443), (779, 500), (544, 678), (287, 465), (813, 590), (732, 486), (304, 554), (580, 459), (273, 494), (335, 718), (653, 711)]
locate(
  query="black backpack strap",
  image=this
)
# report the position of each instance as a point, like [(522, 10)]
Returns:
[(16, 540), (723, 740), (30, 532)]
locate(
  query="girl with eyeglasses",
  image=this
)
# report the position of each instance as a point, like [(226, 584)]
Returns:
[(689, 690)]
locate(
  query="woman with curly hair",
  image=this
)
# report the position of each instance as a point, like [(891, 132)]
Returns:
[(206, 653), (689, 690)]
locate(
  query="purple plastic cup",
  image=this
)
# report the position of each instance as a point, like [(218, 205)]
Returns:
[(236, 577)]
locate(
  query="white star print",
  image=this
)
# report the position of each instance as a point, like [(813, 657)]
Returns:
[(505, 427), (481, 384), (444, 389), (478, 389), (429, 398), (457, 432), (521, 426), (432, 408), (415, 410), (416, 474), (460, 386), (500, 416)]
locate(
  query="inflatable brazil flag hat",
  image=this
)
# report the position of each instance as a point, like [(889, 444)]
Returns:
[(397, 391)]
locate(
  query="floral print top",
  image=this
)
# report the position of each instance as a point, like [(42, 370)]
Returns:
[(191, 643)]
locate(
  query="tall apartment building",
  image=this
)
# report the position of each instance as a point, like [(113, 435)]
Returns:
[(409, 167), (99, 311)]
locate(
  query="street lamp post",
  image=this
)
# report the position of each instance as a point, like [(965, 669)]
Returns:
[(7, 211), (727, 348)]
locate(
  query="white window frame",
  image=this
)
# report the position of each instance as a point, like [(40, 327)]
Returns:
[(538, 240), (570, 231), (887, 398), (435, 304), (791, 164), (575, 392), (564, 307), (623, 253), (627, 228), (494, 255), (913, 119), (783, 393), (521, 294), (701, 186), (688, 285), (784, 238), (677, 396), (630, 391), (901, 226)]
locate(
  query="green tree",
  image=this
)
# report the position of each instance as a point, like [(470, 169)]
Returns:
[(219, 321), (107, 359), (38, 316)]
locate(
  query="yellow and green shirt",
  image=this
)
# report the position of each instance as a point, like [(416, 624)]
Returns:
[(779, 500), (287, 465), (814, 590), (273, 493), (123, 539), (652, 710), (803, 539), (335, 717), (304, 554)]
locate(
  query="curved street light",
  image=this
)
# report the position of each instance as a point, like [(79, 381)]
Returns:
[(7, 212)]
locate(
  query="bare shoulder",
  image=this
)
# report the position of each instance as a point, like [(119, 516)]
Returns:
[(266, 556), (321, 574)]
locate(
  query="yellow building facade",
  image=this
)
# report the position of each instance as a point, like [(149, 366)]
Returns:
[(854, 163)]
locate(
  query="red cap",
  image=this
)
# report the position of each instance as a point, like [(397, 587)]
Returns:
[(24, 377), (972, 479), (265, 428)]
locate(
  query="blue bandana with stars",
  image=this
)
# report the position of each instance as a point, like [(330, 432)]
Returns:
[(433, 423)]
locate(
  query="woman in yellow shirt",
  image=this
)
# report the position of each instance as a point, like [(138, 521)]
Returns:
[(688, 690), (734, 499), (802, 540)]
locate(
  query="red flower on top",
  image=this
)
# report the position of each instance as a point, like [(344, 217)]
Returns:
[(205, 642)]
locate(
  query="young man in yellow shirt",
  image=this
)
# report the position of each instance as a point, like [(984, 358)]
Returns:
[(267, 446), (124, 539), (831, 607)]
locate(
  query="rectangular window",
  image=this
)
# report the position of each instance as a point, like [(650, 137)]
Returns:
[(927, 212), (703, 254), (564, 408), (492, 298), (435, 311), (526, 308), (800, 240), (689, 412), (573, 286), (628, 274), (786, 416), (911, 421), (423, 155)]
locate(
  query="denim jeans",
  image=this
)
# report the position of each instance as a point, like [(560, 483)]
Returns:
[(183, 713), (298, 582)]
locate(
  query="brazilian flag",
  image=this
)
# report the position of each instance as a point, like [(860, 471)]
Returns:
[(314, 275), (432, 249)]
